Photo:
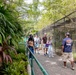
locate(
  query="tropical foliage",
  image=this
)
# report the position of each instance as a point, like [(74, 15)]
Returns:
[(10, 34), (18, 66), (9, 22)]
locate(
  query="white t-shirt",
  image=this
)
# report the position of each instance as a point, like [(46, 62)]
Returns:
[(36, 39)]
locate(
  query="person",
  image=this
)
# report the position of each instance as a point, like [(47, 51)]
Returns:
[(36, 42), (40, 43), (67, 44), (50, 48), (30, 43), (44, 43)]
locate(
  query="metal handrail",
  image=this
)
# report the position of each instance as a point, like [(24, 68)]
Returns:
[(38, 63)]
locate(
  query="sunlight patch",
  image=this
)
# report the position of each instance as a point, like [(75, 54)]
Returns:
[(53, 63), (47, 61), (60, 59)]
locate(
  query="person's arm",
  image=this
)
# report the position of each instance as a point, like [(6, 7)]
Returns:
[(72, 42), (63, 43), (33, 43), (62, 48)]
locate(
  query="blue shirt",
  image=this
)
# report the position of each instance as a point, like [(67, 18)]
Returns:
[(67, 43)]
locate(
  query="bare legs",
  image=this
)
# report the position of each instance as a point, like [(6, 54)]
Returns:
[(45, 51), (64, 63), (72, 64)]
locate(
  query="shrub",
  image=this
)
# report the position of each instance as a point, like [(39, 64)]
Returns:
[(21, 48), (74, 55), (18, 66)]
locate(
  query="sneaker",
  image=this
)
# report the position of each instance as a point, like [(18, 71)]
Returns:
[(73, 68)]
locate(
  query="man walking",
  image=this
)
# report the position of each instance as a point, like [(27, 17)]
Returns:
[(44, 43), (67, 50)]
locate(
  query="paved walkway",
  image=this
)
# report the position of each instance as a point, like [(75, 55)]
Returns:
[(53, 65)]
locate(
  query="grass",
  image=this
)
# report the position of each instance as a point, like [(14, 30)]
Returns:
[(74, 55)]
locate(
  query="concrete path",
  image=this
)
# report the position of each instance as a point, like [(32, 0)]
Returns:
[(53, 65)]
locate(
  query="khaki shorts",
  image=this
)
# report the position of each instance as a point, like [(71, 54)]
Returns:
[(68, 56)]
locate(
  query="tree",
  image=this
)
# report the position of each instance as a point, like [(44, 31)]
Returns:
[(54, 10)]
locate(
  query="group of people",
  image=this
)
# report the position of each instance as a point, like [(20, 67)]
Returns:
[(47, 46), (43, 43), (34, 43)]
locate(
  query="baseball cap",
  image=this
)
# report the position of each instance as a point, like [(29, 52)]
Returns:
[(67, 33)]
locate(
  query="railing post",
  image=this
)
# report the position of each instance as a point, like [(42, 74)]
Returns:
[(38, 63), (32, 67)]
